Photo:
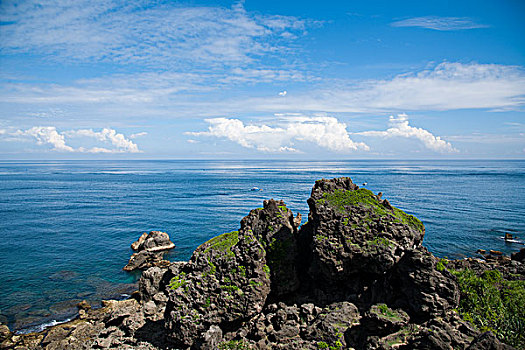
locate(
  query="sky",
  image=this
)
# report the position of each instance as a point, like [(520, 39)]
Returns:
[(107, 79)]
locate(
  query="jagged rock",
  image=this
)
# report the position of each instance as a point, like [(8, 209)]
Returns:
[(143, 259), (354, 236), (149, 283), (83, 305), (519, 256), (487, 341), (225, 283), (212, 338), (150, 248), (381, 319), (332, 323), (153, 241), (4, 332), (379, 325), (420, 289), (276, 229)]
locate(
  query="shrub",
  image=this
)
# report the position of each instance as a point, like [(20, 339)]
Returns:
[(493, 304)]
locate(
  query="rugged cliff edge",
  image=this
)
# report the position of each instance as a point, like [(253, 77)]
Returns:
[(354, 276)]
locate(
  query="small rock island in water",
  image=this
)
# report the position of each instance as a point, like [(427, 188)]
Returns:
[(355, 276)]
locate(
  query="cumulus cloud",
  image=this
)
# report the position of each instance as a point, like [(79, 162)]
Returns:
[(326, 132), (121, 143), (48, 135), (399, 127), (439, 23)]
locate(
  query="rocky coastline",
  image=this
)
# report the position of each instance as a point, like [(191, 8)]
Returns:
[(354, 276)]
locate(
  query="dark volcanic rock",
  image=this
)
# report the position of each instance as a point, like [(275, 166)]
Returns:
[(519, 256), (420, 289), (354, 238), (276, 229), (487, 341), (225, 283)]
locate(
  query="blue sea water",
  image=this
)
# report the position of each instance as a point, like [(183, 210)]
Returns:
[(66, 226)]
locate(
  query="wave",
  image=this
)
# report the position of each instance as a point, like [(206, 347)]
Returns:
[(40, 327)]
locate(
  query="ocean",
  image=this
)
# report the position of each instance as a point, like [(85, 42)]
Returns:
[(66, 226)]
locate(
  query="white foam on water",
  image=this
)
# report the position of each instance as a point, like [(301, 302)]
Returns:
[(42, 326)]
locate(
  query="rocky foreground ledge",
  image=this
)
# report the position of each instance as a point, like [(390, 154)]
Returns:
[(354, 276)]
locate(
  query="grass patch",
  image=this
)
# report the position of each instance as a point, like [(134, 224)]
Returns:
[(493, 304)]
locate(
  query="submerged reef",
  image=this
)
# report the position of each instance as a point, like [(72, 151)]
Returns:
[(354, 276)]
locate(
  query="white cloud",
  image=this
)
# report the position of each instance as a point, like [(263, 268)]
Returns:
[(447, 86), (48, 135), (282, 93), (439, 23), (399, 127), (121, 143), (164, 33), (326, 132), (139, 134)]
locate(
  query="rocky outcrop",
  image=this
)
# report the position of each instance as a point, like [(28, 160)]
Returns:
[(519, 256), (224, 284), (275, 228), (355, 276), (149, 248)]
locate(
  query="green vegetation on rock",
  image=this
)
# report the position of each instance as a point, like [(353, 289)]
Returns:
[(365, 198), (440, 266), (384, 311), (493, 304), (266, 269), (178, 281), (234, 345), (279, 249), (223, 243), (381, 241)]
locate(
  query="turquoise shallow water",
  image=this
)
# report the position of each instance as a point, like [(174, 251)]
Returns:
[(66, 226)]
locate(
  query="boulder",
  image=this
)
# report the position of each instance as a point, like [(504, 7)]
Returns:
[(225, 283), (519, 256), (150, 248), (353, 238), (416, 286)]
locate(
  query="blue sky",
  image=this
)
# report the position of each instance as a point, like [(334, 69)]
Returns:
[(259, 79)]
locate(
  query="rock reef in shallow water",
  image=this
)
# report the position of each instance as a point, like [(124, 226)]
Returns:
[(355, 276), (149, 248)]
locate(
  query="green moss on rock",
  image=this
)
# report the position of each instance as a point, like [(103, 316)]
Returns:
[(222, 243), (340, 199), (178, 281)]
